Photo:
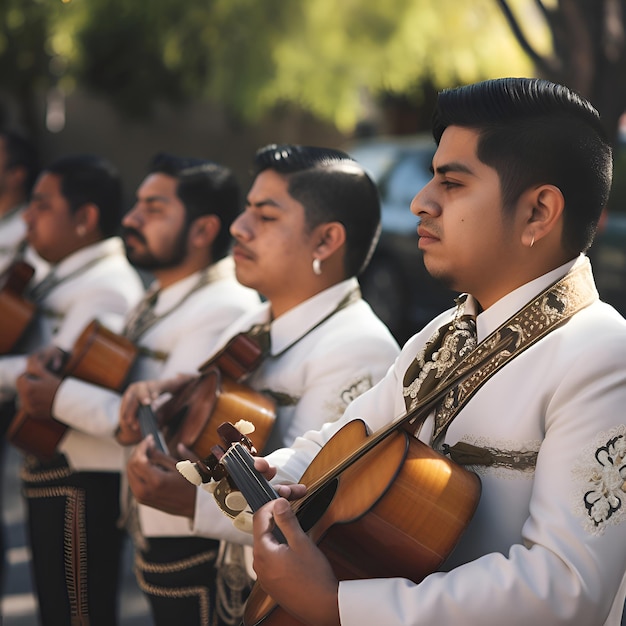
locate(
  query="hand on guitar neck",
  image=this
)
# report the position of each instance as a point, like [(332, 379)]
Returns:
[(284, 555), (144, 393), (152, 475)]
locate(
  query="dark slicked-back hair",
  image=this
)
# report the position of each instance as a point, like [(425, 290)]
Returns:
[(204, 188), (90, 179), (332, 187), (533, 132), (21, 153)]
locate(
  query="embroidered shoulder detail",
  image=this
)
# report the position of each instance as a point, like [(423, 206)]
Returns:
[(339, 400), (503, 458), (600, 496)]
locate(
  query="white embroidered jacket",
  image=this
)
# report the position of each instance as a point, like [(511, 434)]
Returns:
[(547, 546), (184, 337), (321, 373)]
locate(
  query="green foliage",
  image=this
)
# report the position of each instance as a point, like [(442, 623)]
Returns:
[(24, 31), (343, 51), (327, 57)]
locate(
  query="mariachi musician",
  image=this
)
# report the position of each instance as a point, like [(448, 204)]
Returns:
[(18, 170), (310, 224), (178, 231), (71, 223)]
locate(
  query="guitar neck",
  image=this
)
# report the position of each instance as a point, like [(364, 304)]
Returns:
[(148, 426), (257, 491)]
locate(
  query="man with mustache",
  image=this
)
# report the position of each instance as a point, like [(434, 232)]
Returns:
[(178, 231), (309, 227)]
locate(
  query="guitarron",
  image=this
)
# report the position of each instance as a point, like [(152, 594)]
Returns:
[(16, 311), (100, 357)]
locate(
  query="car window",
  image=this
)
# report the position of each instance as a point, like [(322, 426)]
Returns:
[(409, 175)]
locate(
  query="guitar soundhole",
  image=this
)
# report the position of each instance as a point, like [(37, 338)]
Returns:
[(315, 506)]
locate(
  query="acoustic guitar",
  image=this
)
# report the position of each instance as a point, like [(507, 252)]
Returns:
[(378, 505), (192, 416), (16, 311), (100, 357)]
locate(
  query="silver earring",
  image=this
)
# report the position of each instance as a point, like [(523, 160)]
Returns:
[(532, 242), (317, 267)]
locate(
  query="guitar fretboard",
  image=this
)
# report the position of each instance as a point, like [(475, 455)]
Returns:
[(255, 488)]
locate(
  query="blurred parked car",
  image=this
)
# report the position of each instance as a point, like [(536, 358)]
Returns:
[(396, 283), (608, 258)]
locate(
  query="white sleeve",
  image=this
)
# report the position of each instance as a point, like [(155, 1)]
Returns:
[(570, 559)]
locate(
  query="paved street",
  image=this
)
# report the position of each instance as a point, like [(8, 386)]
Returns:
[(18, 601)]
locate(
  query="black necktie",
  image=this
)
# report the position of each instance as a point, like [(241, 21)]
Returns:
[(143, 316)]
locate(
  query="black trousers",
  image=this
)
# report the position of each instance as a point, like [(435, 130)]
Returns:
[(75, 542), (178, 576)]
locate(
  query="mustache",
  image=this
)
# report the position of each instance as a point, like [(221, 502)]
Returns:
[(430, 226), (127, 231), (242, 249)]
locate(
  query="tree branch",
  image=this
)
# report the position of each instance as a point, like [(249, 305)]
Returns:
[(544, 64)]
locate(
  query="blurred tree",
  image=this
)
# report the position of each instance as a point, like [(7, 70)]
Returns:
[(137, 54), (24, 61), (344, 55), (588, 51), (329, 58)]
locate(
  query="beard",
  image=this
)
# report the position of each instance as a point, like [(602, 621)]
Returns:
[(146, 260)]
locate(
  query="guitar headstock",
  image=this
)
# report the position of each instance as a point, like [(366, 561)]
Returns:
[(238, 433), (210, 468)]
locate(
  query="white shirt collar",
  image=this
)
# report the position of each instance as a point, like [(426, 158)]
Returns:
[(112, 246), (298, 321), (174, 293)]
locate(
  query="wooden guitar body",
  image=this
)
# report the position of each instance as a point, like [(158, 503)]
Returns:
[(16, 312), (100, 357), (397, 511), (193, 415)]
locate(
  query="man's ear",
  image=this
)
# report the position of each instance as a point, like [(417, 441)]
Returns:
[(330, 236), (542, 212), (204, 230), (87, 220)]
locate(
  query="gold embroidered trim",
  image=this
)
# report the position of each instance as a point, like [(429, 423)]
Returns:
[(467, 454), (175, 566), (29, 473), (201, 593), (74, 542), (550, 309)]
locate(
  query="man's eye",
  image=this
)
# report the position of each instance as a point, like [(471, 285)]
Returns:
[(448, 184)]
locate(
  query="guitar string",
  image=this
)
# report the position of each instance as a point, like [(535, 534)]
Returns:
[(252, 481), (247, 478), (254, 499)]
